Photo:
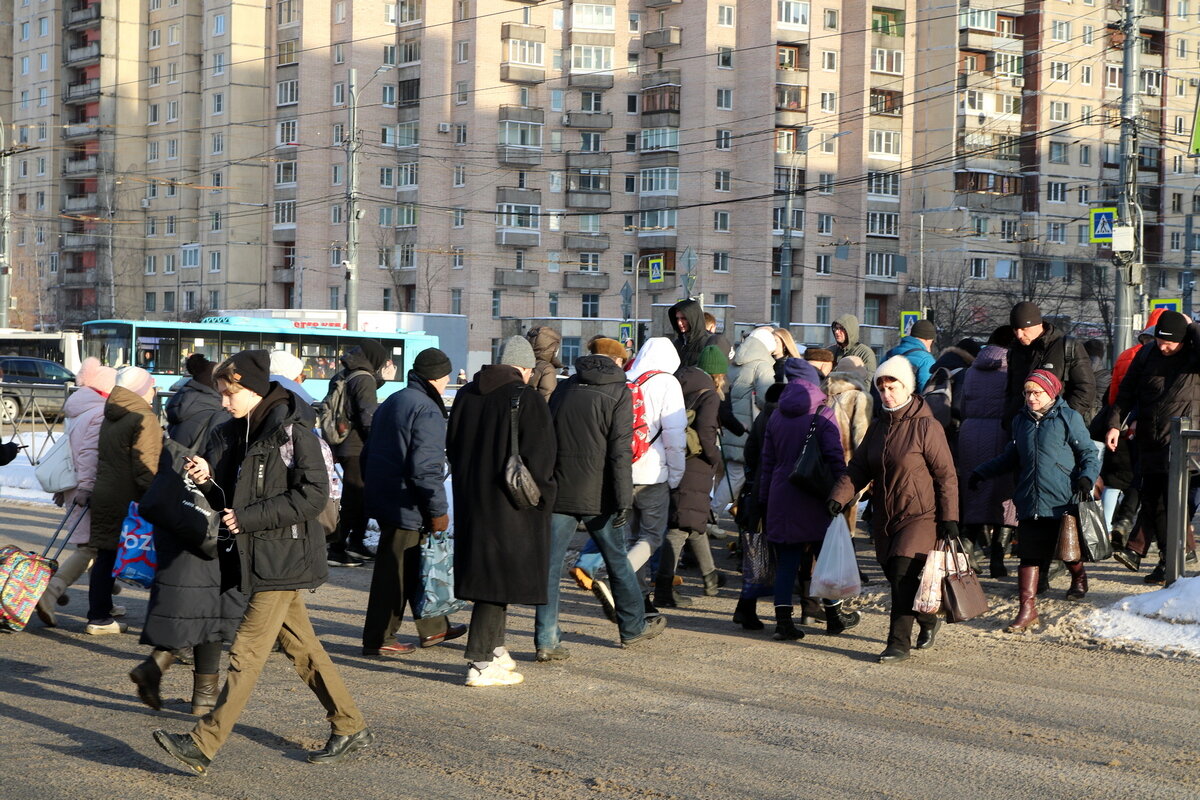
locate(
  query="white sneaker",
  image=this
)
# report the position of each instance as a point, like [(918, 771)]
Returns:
[(95, 629), (493, 675), (505, 661), (117, 611)]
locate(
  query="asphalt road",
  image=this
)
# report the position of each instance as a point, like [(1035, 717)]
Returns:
[(704, 711)]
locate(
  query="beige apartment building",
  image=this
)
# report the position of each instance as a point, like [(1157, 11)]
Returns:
[(521, 163)]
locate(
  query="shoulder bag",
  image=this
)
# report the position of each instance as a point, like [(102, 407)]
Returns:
[(962, 595), (55, 471), (522, 489), (811, 473)]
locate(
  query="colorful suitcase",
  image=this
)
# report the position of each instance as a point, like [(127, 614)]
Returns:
[(24, 575)]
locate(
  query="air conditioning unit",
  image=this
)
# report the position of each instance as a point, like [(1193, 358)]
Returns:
[(443, 127), (566, 120), (1018, 83), (1193, 81), (145, 202), (1152, 91)]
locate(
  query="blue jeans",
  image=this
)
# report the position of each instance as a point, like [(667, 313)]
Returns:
[(631, 615)]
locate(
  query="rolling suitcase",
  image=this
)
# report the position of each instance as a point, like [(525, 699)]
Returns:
[(24, 574)]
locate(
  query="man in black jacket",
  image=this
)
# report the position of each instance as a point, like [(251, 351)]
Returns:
[(593, 423), (692, 334), (1163, 382), (1039, 345)]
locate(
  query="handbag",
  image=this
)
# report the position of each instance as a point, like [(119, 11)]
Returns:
[(1094, 541), (55, 471), (137, 560), (437, 576), (811, 472), (1068, 538), (522, 489), (758, 559), (929, 592), (174, 505), (962, 594)]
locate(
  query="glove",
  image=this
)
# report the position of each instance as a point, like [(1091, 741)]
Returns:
[(82, 497), (8, 451), (974, 481), (621, 518), (947, 530), (439, 523), (1082, 485), (834, 508)]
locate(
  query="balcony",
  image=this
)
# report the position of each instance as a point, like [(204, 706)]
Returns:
[(669, 282), (80, 92), (658, 240), (589, 200), (590, 80), (83, 17), (78, 56), (518, 30), (517, 278), (671, 36), (79, 277), (77, 130), (518, 237), (521, 197), (83, 202), (519, 156), (648, 159), (660, 77), (79, 241), (585, 241), (586, 280), (661, 3), (522, 114), (521, 73), (79, 166), (283, 275), (971, 39), (597, 120), (578, 159)]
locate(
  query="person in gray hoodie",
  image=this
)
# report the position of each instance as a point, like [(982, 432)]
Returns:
[(846, 342), (752, 373)]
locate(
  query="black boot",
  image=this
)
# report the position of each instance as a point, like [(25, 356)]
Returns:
[(205, 689), (1001, 536), (665, 595), (147, 676), (746, 614), (811, 610), (974, 539), (837, 620), (785, 631)]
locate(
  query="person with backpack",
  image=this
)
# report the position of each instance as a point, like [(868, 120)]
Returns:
[(915, 347), (351, 402), (1040, 345)]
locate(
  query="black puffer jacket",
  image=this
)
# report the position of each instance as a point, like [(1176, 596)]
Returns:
[(690, 500), (593, 423), (1048, 352), (194, 410), (271, 473), (361, 367)]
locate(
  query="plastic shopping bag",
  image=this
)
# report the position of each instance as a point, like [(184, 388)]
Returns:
[(929, 594), (137, 560), (835, 576)]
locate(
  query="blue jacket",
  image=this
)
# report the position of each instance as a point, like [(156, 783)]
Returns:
[(1047, 455), (404, 464), (921, 359)]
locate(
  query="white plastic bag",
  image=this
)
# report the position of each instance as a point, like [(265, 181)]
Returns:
[(835, 577), (929, 594)]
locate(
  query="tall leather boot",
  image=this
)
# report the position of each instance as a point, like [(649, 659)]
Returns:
[(837, 621), (1001, 536), (785, 630), (205, 690), (1027, 617), (147, 676), (746, 614), (1079, 583)]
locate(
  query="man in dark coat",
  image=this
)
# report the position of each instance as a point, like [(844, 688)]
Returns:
[(404, 467), (195, 408), (1163, 382), (501, 551), (593, 425), (360, 369), (1039, 345), (691, 335)]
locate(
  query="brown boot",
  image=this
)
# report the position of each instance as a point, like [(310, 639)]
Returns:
[(205, 689), (148, 677), (1079, 584), (1027, 618)]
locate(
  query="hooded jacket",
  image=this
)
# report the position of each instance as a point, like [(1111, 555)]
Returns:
[(850, 398), (691, 344), (750, 375), (690, 500), (363, 393), (404, 463), (854, 347), (194, 410), (664, 414), (546, 343), (84, 411), (128, 449), (593, 425), (921, 359), (1048, 352), (981, 437)]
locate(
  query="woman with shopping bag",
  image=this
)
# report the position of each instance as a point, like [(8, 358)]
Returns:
[(914, 497), (1054, 458), (794, 522)]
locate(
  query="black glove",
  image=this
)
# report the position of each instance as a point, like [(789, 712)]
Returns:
[(1082, 485), (621, 518), (834, 508), (974, 481), (8, 451), (947, 530)]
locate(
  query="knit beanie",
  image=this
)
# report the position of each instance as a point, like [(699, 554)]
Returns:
[(135, 379), (95, 376), (517, 352), (1049, 382), (818, 354), (1171, 326), (603, 346), (432, 364), (1025, 315), (286, 365), (767, 337), (898, 369), (250, 368), (1152, 321), (923, 329), (200, 368), (713, 361)]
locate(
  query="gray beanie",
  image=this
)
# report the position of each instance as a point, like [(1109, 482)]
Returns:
[(517, 352)]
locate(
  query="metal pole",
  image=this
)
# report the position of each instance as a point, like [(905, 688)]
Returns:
[(921, 263), (1129, 267), (352, 207), (1189, 277), (5, 191), (1177, 519), (785, 257)]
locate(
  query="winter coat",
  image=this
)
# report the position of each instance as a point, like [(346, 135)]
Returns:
[(1048, 352), (1159, 387), (794, 515), (269, 469), (363, 382), (906, 456), (295, 388), (1103, 378), (501, 555), (850, 398), (1120, 367), (193, 410), (128, 449), (854, 347), (664, 415), (921, 359), (1116, 466), (690, 500), (982, 437), (593, 425), (750, 375), (690, 344), (404, 463), (1047, 453), (84, 411), (546, 342)]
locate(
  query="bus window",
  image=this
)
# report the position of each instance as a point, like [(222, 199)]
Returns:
[(158, 351), (205, 345), (109, 343), (275, 341), (321, 357), (238, 341)]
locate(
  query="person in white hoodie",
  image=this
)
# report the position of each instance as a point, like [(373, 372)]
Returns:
[(660, 469)]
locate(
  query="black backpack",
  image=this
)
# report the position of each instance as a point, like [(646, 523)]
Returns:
[(333, 413), (939, 396)]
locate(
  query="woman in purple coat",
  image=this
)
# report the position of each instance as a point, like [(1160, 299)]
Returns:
[(796, 520), (988, 513)]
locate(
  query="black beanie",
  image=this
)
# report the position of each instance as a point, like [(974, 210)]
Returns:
[(250, 368), (1025, 315), (1171, 326), (923, 329), (431, 364), (200, 368)]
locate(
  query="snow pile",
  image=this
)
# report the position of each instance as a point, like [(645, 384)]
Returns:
[(16, 479), (1167, 619)]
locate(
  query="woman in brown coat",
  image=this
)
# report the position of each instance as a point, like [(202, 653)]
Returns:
[(914, 498)]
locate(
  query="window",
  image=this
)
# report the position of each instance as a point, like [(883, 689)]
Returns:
[(591, 101), (590, 142), (721, 221), (172, 34), (154, 38), (791, 58), (722, 180), (410, 52), (824, 264), (881, 265), (829, 60), (460, 133), (635, 22), (1059, 152), (1113, 76), (978, 268), (592, 16), (887, 61), (218, 103), (1059, 111), (218, 28), (218, 143), (214, 260), (824, 304), (521, 134), (829, 143), (720, 261), (884, 143), (883, 184), (1056, 192), (1085, 75), (589, 262), (1089, 34), (151, 113), (521, 51), (725, 58), (829, 101), (590, 58), (456, 301), (285, 172), (883, 223), (150, 303), (657, 220), (1060, 71), (825, 224), (285, 213), (1060, 31), (589, 306), (512, 215), (725, 99), (189, 256), (496, 298), (1056, 233), (792, 12), (724, 139), (287, 93), (725, 16), (979, 225), (791, 98)]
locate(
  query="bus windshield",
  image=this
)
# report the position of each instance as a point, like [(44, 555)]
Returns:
[(109, 342)]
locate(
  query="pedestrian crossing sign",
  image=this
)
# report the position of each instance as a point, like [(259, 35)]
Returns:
[(1103, 220), (626, 332), (907, 320), (655, 266), (1169, 303)]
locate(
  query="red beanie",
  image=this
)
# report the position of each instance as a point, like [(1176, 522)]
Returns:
[(1047, 380)]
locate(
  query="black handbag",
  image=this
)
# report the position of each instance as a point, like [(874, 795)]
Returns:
[(522, 489), (174, 505), (811, 472), (1094, 539)]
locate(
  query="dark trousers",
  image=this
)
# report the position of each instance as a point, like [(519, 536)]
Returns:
[(100, 586), (487, 630), (792, 561), (1037, 541), (206, 658), (352, 515), (396, 583), (904, 575), (1152, 518)]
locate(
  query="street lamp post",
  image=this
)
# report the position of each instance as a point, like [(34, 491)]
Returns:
[(352, 211), (5, 261)]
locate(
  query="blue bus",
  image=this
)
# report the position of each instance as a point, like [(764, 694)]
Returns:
[(163, 347)]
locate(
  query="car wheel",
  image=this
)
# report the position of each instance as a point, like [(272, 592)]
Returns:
[(10, 408)]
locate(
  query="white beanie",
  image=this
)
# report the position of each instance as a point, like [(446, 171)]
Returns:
[(285, 364), (897, 368), (767, 337), (135, 379)]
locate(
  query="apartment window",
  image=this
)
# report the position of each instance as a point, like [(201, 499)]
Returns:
[(339, 54), (722, 180), (589, 262), (883, 223), (218, 103), (978, 268), (589, 306), (779, 221), (831, 19), (725, 99), (635, 22), (172, 34), (1008, 230), (973, 100), (592, 16), (1059, 152), (339, 12), (1113, 76), (1083, 235), (150, 304), (787, 140), (883, 143), (1060, 71), (1056, 192), (979, 225), (881, 265), (791, 98), (1060, 31), (829, 143), (190, 256), (287, 93), (521, 51), (790, 58), (154, 38), (460, 133), (214, 260), (887, 61), (720, 261), (456, 301), (1176, 239), (513, 215), (792, 12), (724, 58), (1085, 195), (497, 295), (458, 258), (883, 184), (1059, 111), (285, 212), (590, 58), (218, 143), (151, 266), (1085, 75), (218, 27), (824, 306), (339, 94), (721, 221), (1056, 233), (524, 134), (285, 172), (824, 264), (151, 112), (410, 51), (829, 60), (170, 231), (829, 101), (725, 16), (152, 151), (825, 224)]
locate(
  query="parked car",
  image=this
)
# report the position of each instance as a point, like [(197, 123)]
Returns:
[(27, 384)]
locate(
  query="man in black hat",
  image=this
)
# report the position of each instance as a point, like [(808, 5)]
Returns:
[(1163, 381), (404, 473), (1039, 345)]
